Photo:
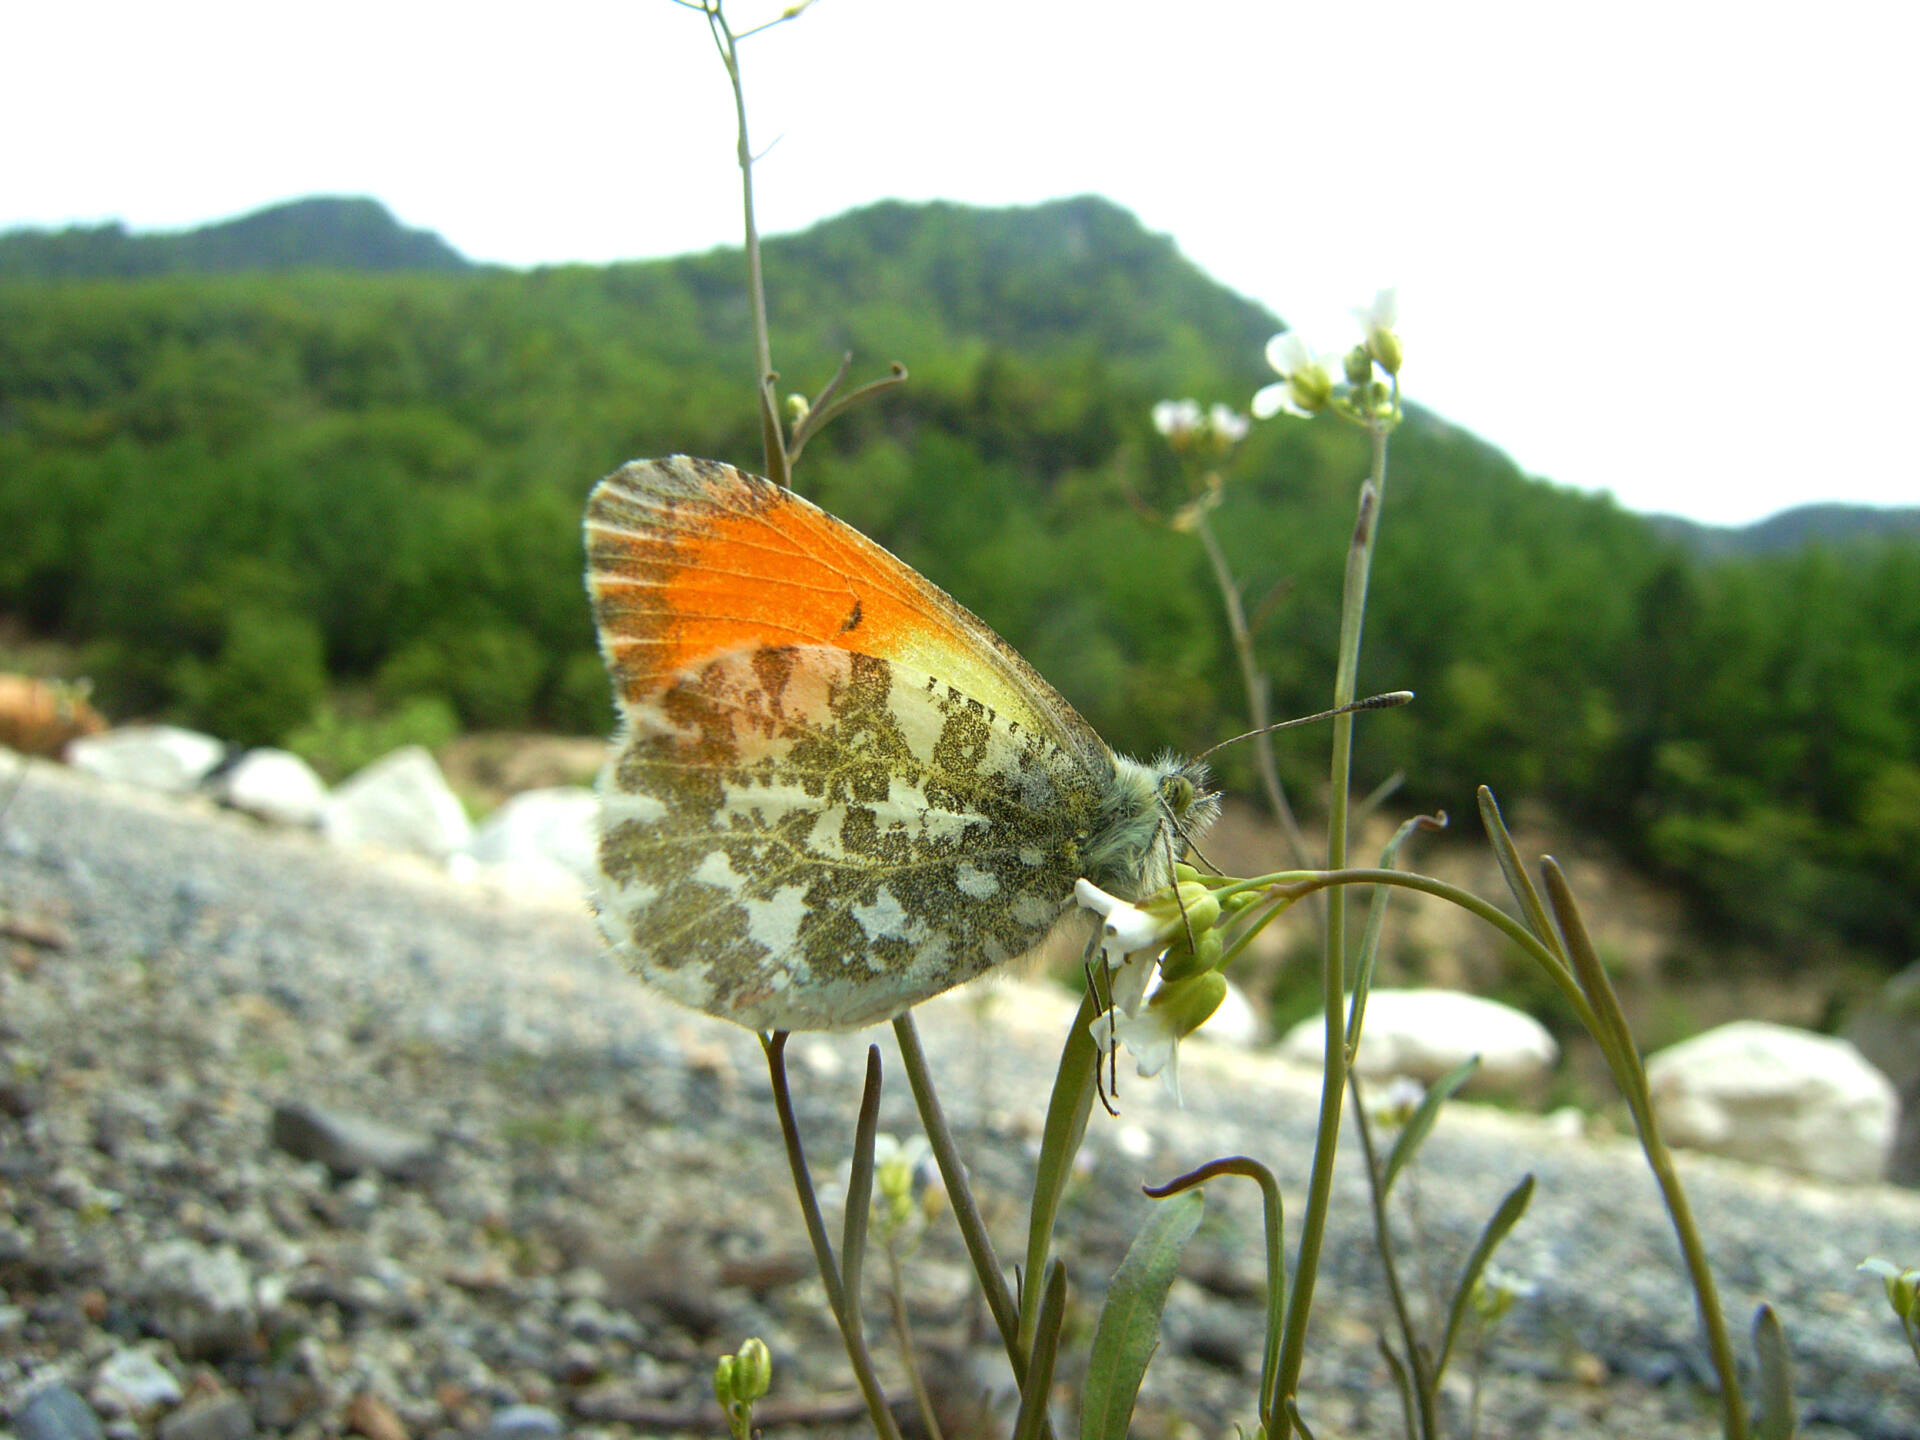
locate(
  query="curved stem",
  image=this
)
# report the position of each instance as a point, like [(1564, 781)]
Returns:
[(1631, 1076), (1276, 1258)]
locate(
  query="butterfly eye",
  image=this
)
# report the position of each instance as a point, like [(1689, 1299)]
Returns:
[(1177, 792)]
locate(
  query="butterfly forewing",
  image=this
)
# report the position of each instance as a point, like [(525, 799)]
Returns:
[(689, 558)]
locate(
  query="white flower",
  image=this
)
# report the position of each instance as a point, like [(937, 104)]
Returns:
[(1228, 423), (1376, 323), (1152, 1033), (1125, 929), (1305, 384), (1395, 1103), (1382, 314), (1174, 418), (1496, 1291), (1153, 1038), (902, 1171)]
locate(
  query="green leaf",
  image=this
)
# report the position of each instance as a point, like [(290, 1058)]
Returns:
[(1128, 1331), (1504, 1219), (1420, 1124), (1779, 1417)]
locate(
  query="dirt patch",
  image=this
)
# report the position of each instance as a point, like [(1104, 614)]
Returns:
[(490, 767)]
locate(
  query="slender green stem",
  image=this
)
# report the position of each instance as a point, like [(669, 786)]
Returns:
[(1421, 1379), (853, 1231), (1259, 709), (878, 1410), (903, 1336), (973, 1228), (1631, 1076), (773, 442), (1333, 1086), (1301, 882)]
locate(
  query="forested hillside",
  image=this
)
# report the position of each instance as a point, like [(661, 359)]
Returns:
[(255, 498)]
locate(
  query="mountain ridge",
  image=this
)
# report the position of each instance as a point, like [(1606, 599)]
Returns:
[(316, 232), (1009, 281)]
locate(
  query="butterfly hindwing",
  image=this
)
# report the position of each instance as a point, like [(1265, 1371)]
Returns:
[(803, 837)]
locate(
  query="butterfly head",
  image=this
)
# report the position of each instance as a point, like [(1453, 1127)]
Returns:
[(1148, 817)]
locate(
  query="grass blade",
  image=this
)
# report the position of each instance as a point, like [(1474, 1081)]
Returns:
[(1779, 1416)]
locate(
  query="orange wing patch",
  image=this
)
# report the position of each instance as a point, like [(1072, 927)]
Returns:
[(689, 559)]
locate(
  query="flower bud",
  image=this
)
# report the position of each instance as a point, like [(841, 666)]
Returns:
[(1185, 1005), (1384, 346), (753, 1372), (1903, 1286), (1189, 906), (1359, 366), (1183, 961), (1311, 388), (739, 1380)]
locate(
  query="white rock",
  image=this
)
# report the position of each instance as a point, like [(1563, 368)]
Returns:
[(554, 826), (1426, 1033), (154, 757), (276, 785), (534, 878), (133, 1382), (400, 802), (1776, 1096)]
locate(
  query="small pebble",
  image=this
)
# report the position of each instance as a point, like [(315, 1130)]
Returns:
[(226, 1417), (56, 1413)]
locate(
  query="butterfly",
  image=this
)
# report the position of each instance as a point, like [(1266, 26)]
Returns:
[(834, 791)]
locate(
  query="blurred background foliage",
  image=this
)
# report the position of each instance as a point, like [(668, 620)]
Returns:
[(330, 497)]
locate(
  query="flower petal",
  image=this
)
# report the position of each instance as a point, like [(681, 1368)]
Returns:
[(1288, 351)]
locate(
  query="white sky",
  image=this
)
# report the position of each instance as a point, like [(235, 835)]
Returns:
[(1666, 249)]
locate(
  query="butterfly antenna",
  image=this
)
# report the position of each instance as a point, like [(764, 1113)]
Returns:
[(1102, 1004), (1389, 700), (1166, 834)]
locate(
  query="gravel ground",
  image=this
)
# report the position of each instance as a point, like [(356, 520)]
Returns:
[(305, 1143)]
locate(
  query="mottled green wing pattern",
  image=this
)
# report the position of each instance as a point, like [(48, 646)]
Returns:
[(808, 837)]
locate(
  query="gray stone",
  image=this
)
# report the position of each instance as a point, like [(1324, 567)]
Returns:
[(526, 1422), (56, 1413), (199, 1298), (224, 1417), (348, 1144), (153, 757)]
